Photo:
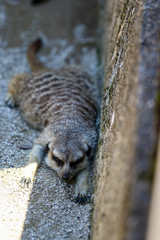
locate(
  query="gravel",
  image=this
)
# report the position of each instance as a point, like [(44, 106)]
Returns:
[(47, 209)]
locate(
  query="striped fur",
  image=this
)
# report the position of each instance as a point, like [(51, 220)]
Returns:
[(52, 97), (62, 103)]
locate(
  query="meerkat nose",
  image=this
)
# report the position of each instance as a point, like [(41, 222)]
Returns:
[(65, 176)]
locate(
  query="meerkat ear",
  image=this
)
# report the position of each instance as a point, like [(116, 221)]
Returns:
[(88, 152), (87, 145)]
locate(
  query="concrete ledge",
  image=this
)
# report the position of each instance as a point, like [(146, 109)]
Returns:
[(128, 120)]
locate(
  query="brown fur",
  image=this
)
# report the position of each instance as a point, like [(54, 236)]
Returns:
[(62, 103)]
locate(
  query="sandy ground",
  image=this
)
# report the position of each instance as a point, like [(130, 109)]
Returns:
[(68, 29)]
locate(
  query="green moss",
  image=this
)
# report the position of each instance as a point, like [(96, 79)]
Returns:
[(105, 110), (110, 92), (100, 142), (123, 15), (102, 129)]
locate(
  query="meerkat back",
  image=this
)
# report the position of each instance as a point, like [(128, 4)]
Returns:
[(62, 103)]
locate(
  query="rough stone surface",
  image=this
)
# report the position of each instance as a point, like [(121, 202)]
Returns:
[(128, 120), (68, 30)]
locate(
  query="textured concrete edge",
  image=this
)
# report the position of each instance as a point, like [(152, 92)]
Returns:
[(113, 171), (148, 120)]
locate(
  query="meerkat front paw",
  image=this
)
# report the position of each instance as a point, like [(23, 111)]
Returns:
[(81, 193), (9, 100), (81, 188), (28, 175), (35, 158)]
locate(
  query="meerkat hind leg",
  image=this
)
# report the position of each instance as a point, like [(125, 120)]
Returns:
[(35, 158), (13, 89), (9, 100), (81, 188)]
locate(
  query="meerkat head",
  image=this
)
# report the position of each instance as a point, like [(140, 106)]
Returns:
[(68, 153)]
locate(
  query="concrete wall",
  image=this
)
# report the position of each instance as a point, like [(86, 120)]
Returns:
[(128, 120)]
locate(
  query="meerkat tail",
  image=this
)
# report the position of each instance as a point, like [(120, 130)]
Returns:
[(34, 63)]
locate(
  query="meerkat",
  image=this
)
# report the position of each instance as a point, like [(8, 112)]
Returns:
[(63, 104)]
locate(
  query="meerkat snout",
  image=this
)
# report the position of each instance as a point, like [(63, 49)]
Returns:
[(67, 156)]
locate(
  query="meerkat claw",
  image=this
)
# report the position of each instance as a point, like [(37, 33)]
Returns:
[(10, 101), (77, 199), (25, 182), (80, 199), (10, 105)]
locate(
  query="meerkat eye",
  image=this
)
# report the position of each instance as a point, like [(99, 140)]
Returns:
[(57, 160), (74, 164)]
